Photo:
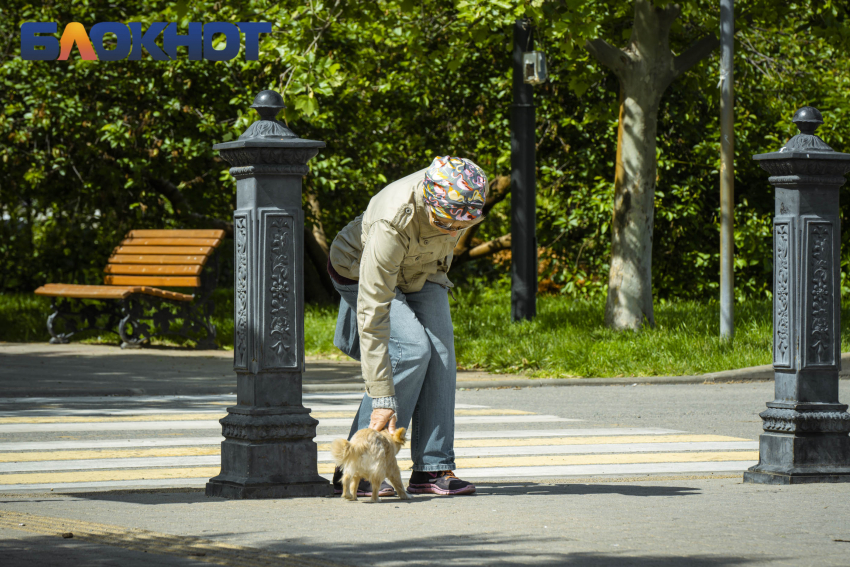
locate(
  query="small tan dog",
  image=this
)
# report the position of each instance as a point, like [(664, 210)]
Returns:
[(370, 455)]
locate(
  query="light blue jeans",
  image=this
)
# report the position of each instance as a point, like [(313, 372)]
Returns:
[(422, 355)]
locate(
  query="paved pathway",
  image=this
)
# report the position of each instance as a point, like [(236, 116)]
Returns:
[(604, 476)]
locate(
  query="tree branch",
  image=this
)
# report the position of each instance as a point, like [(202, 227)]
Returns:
[(491, 247), (697, 51), (499, 189), (615, 59)]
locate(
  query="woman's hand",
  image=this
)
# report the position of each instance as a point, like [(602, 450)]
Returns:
[(383, 418)]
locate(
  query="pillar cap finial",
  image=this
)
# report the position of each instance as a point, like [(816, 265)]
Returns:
[(268, 104), (268, 131), (807, 119)]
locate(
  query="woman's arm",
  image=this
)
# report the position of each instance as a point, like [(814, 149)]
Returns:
[(379, 266)]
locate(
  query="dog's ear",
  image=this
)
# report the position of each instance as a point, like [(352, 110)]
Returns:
[(398, 436)]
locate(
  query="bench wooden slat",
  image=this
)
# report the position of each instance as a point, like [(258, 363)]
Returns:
[(154, 259), (107, 292), (163, 250), (84, 291), (147, 270), (214, 242), (172, 281), (176, 233)]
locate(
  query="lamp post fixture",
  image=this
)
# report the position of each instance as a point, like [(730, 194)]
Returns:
[(268, 451), (806, 429)]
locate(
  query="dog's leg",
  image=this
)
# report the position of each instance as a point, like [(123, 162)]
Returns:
[(353, 484), (376, 487), (395, 480), (347, 485)]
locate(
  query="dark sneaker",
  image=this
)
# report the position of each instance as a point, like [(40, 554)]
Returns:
[(442, 482), (364, 488)]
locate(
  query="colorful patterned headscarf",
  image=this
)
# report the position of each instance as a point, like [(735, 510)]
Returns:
[(455, 188)]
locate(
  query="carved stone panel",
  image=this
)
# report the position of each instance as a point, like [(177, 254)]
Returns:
[(783, 310), (242, 247), (279, 346), (819, 333)]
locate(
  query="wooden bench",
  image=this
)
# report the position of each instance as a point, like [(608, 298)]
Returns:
[(145, 261)]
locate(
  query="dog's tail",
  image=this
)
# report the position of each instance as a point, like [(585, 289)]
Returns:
[(339, 451), (398, 436)]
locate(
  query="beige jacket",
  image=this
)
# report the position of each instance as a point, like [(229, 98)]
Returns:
[(392, 244)]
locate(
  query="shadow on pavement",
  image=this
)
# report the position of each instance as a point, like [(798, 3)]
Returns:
[(82, 370), (25, 549), (149, 497), (494, 549), (196, 495), (543, 489), (30, 550)]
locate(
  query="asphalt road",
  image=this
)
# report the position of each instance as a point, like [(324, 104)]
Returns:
[(723, 409)]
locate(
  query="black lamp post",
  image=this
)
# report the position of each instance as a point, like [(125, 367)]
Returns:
[(523, 179)]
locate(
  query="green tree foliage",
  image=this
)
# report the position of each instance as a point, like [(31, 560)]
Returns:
[(91, 149)]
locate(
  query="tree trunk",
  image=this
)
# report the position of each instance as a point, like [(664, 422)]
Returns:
[(316, 249), (645, 68), (630, 279), (317, 282)]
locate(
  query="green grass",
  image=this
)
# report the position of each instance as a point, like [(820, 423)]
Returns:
[(567, 338), (23, 317)]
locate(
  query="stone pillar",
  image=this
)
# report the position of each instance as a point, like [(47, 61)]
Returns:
[(806, 429), (268, 451)]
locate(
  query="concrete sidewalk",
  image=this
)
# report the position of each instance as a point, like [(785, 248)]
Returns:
[(39, 369), (685, 521)]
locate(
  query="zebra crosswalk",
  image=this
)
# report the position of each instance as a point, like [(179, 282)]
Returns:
[(174, 441)]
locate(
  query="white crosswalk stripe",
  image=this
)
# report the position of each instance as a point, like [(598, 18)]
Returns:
[(214, 424), (179, 441), (57, 411), (74, 443), (147, 400)]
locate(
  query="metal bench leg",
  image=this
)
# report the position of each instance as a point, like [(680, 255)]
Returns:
[(133, 332), (202, 315), (77, 317), (70, 324), (204, 305)]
